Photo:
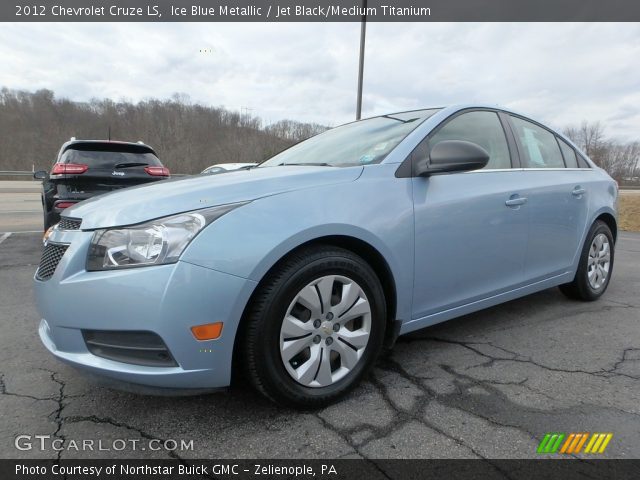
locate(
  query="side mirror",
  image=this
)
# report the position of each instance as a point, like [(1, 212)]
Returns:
[(452, 156), (40, 175)]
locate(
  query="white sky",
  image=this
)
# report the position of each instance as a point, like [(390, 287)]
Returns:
[(559, 73)]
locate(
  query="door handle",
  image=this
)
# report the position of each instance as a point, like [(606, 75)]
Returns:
[(578, 191), (515, 201)]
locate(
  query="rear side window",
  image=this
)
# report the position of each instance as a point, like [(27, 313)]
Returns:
[(482, 128), (582, 162), (540, 147), (569, 154)]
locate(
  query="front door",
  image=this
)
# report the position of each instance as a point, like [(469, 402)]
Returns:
[(471, 229)]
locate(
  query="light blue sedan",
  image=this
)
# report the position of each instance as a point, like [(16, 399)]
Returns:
[(298, 272)]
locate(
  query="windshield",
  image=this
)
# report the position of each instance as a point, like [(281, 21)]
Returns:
[(358, 143)]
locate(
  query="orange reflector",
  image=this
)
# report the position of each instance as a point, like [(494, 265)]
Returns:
[(209, 331)]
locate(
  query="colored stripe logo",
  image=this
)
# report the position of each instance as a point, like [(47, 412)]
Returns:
[(573, 443)]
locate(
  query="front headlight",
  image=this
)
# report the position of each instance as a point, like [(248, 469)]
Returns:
[(155, 242)]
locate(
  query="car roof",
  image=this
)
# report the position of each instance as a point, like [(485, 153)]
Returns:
[(557, 131), (459, 106), (453, 108), (444, 112)]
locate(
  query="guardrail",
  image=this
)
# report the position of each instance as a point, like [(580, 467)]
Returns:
[(27, 173), (16, 173)]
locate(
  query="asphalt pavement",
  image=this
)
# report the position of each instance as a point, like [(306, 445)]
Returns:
[(490, 385), (20, 206)]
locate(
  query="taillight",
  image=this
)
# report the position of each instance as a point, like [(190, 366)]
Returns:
[(74, 168), (63, 205), (157, 171)]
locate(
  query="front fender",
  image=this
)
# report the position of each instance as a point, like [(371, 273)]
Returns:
[(376, 209)]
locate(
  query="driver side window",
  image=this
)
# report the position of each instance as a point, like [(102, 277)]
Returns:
[(482, 128)]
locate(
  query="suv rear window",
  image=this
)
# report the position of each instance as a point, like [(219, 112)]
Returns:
[(108, 155)]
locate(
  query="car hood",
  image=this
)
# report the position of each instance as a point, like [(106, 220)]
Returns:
[(159, 199)]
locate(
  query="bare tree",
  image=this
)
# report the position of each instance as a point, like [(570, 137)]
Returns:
[(588, 136), (187, 136), (620, 160)]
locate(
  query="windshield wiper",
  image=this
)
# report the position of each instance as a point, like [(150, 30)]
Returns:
[(314, 164), (131, 164)]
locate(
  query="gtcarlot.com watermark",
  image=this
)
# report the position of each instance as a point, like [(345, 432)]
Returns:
[(45, 443)]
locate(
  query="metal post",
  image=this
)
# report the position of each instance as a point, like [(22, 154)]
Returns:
[(363, 31)]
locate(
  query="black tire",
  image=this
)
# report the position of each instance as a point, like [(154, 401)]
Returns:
[(580, 288), (47, 223), (260, 336), (45, 216), (50, 218)]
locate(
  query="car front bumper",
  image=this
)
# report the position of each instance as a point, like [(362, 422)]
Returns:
[(165, 299)]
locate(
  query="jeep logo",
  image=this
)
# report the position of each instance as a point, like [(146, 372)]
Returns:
[(117, 174)]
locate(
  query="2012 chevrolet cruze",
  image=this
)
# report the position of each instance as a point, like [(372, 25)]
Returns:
[(299, 271)]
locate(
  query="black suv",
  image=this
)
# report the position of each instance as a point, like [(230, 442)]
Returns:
[(86, 168)]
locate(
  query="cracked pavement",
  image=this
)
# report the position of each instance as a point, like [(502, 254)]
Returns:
[(487, 385)]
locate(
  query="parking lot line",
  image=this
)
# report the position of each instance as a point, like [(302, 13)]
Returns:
[(4, 236)]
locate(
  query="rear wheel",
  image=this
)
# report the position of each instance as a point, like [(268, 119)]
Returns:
[(314, 328), (595, 267)]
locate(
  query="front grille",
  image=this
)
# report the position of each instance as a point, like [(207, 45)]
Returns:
[(51, 256), (68, 223), (135, 347)]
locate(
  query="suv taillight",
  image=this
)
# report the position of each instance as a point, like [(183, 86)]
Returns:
[(74, 168), (157, 171)]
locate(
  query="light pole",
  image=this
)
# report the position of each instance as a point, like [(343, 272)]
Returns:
[(363, 31)]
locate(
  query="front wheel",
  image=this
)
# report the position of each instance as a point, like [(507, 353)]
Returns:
[(314, 328), (595, 267)]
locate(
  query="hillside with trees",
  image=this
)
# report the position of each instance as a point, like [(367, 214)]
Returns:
[(187, 136)]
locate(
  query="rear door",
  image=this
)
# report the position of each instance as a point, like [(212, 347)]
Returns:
[(470, 228), (557, 193), (111, 166)]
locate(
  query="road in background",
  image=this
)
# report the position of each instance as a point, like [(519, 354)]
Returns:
[(20, 206)]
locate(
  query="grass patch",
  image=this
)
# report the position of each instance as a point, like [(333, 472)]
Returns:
[(629, 212)]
